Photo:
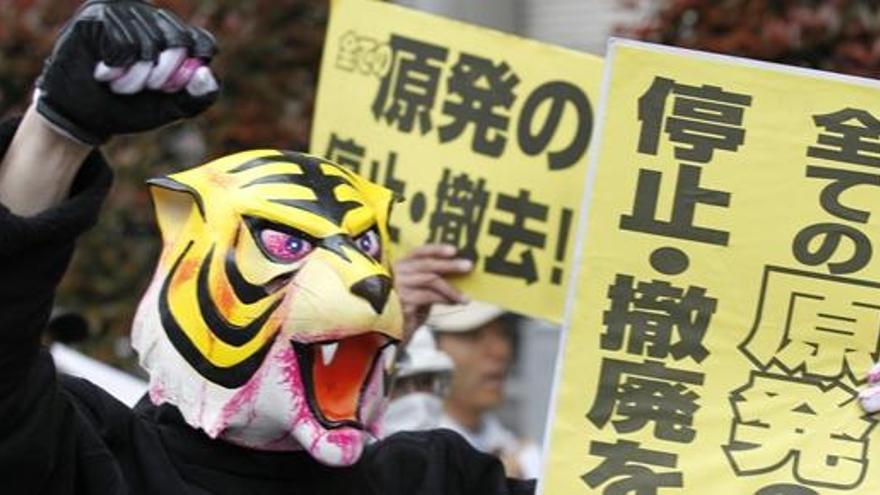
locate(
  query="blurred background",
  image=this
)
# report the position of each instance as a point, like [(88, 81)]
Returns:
[(270, 54)]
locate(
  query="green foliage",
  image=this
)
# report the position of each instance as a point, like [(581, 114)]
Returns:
[(834, 35)]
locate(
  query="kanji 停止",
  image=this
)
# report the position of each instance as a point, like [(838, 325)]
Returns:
[(703, 119), (688, 195)]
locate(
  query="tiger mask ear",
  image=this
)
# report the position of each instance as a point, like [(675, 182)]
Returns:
[(174, 203)]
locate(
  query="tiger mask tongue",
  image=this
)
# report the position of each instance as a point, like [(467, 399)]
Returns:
[(336, 375)]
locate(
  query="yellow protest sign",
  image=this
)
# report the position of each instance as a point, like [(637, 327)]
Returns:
[(727, 303), (485, 134)]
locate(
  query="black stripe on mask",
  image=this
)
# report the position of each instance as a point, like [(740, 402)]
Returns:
[(233, 376)]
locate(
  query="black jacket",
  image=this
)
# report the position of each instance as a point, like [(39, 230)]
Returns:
[(65, 435)]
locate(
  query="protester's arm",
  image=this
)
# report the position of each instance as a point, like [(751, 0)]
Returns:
[(422, 279), (118, 67), (35, 433), (39, 167)]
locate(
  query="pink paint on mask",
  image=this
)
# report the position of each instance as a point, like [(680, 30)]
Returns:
[(245, 396), (289, 366), (203, 396), (372, 402), (301, 414), (348, 440), (157, 392)]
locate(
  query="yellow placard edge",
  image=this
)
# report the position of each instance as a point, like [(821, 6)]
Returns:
[(574, 274), (743, 62)]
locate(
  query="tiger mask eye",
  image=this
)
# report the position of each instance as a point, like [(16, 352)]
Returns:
[(285, 247), (370, 243)]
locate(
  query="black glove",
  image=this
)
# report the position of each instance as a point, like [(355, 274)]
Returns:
[(121, 34)]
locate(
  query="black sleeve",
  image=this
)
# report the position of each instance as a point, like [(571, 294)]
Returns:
[(437, 462), (38, 431), (34, 253)]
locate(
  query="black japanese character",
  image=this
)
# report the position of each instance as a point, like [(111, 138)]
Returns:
[(704, 118), (815, 325), (648, 316), (853, 136), (779, 423), (345, 152), (522, 208), (809, 253), (480, 92), (629, 466), (688, 194), (562, 238), (842, 181), (458, 216), (560, 95), (409, 87), (393, 183), (646, 392)]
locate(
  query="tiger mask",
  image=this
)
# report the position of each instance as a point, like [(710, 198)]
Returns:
[(272, 321)]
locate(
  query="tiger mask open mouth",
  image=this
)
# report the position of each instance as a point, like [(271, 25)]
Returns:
[(272, 320), (337, 375)]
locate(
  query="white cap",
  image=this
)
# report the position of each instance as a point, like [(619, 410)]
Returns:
[(462, 317), (422, 355)]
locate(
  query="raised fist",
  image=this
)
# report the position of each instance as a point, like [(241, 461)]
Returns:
[(124, 66), (869, 397)]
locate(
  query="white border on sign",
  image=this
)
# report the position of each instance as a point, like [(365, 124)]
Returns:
[(747, 62), (589, 183), (574, 274)]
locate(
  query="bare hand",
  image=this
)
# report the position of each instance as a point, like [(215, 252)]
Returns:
[(511, 466), (421, 281)]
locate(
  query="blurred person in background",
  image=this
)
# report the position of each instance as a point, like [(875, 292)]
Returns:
[(479, 338), (420, 385)]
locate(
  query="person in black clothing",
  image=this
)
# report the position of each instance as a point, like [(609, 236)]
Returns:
[(123, 67)]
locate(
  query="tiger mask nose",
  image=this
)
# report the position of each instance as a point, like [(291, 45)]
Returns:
[(374, 289)]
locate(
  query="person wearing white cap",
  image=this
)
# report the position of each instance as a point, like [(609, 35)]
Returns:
[(477, 336), (420, 385)]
